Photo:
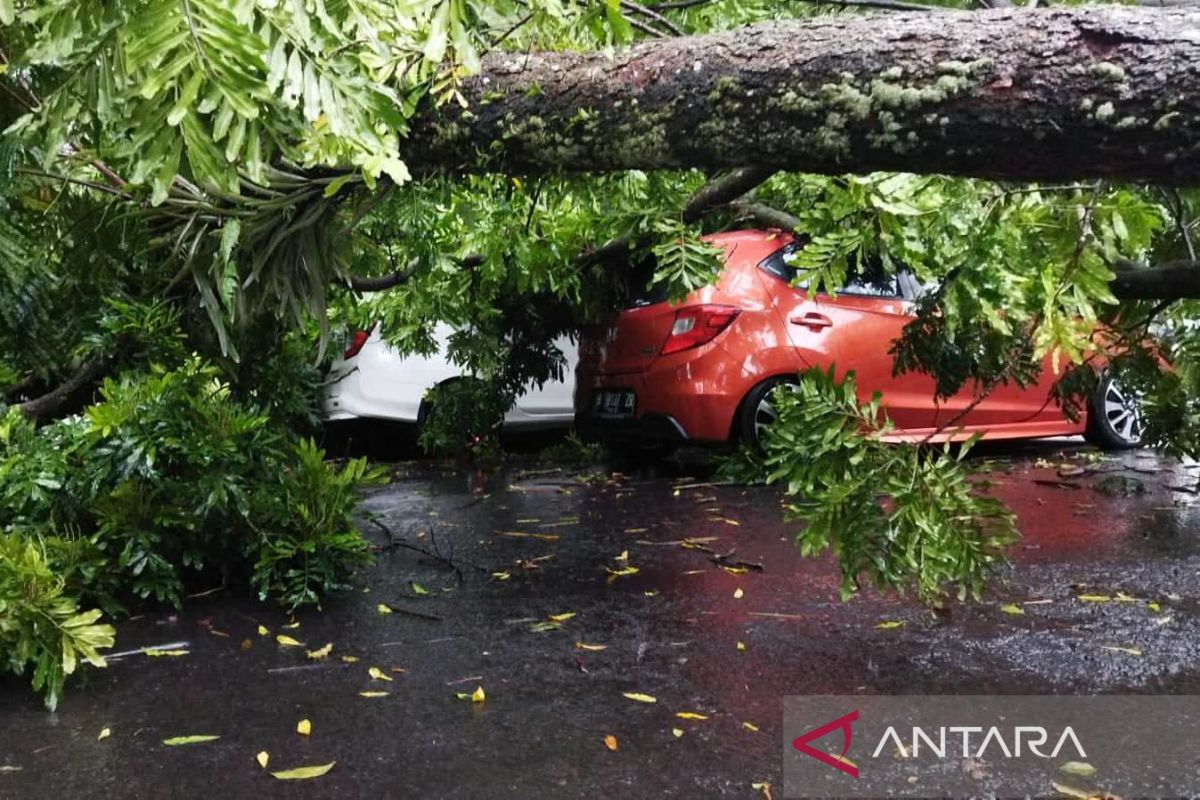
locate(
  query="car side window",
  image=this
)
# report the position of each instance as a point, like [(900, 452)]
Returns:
[(868, 280)]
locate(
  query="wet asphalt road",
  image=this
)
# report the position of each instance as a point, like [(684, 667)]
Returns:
[(670, 631)]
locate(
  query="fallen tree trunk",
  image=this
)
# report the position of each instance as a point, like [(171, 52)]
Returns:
[(1174, 280), (1012, 94)]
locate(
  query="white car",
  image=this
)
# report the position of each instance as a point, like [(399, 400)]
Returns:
[(373, 380)]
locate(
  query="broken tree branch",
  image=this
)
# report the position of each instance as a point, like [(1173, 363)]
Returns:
[(1014, 94), (48, 405)]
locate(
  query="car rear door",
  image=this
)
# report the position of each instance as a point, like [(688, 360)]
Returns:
[(554, 398), (854, 330), (1006, 404)]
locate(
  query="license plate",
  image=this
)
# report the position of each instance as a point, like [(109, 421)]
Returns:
[(614, 403)]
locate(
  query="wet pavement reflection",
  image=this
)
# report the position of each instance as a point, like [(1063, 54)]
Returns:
[(560, 590)]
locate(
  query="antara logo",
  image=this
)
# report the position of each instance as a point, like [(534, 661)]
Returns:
[(941, 742), (842, 763), (1032, 736)]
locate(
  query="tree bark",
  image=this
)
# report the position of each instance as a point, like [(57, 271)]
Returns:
[(48, 405), (1014, 94), (1174, 280)]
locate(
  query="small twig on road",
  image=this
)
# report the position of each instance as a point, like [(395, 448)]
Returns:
[(300, 667), (447, 560), (681, 487), (142, 650), (727, 560), (465, 680), (411, 613)]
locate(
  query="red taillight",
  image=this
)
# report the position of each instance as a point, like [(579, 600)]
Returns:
[(356, 343), (696, 325)]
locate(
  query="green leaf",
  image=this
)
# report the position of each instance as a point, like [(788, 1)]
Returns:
[(303, 773), (1081, 768), (193, 739)]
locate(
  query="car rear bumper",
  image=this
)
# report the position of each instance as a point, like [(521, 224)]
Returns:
[(647, 427), (689, 397)]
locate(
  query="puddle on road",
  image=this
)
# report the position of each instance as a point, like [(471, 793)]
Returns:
[(530, 563)]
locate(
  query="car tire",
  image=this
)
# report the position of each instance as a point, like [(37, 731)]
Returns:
[(427, 412), (757, 412), (1114, 420)]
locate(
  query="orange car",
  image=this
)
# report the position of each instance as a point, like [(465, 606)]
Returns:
[(702, 371)]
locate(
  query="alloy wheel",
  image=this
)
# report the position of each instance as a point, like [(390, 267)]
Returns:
[(1123, 413)]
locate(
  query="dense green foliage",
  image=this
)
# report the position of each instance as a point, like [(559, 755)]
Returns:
[(893, 514), (187, 188), (167, 482)]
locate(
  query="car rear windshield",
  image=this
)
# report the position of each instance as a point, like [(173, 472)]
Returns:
[(640, 288), (869, 279)]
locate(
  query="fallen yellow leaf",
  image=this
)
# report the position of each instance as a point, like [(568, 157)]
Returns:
[(373, 694), (610, 742), (104, 734), (562, 617), (287, 641), (1095, 598), (291, 626), (263, 758), (1124, 598), (383, 608), (164, 653), (502, 576), (676, 732), (690, 715), (763, 788), (320, 653), (1081, 768), (1012, 608), (1154, 606), (623, 557), (735, 570), (378, 674), (737, 593), (622, 572), (641, 698), (303, 773), (750, 727), (262, 631), (478, 696), (304, 727), (594, 648), (886, 626), (350, 659), (741, 646), (545, 537), (175, 741)]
